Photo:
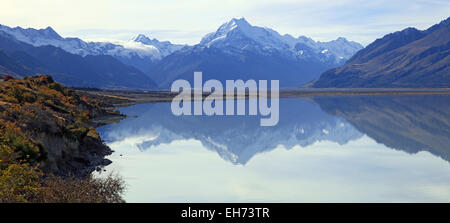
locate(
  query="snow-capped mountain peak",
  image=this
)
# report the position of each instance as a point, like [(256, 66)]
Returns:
[(232, 24), (238, 32), (33, 36), (164, 47), (238, 35), (50, 32), (341, 47), (142, 39)]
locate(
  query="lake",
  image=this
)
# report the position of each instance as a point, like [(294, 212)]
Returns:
[(382, 148)]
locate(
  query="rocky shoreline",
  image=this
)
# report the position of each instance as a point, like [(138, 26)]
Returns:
[(92, 151), (54, 126)]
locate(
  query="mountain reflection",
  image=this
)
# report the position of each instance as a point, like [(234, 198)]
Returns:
[(234, 138), (408, 123)]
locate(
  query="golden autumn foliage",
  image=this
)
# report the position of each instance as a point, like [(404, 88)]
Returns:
[(24, 102), (32, 106), (76, 190), (19, 181)]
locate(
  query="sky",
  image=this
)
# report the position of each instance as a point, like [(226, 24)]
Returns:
[(186, 22)]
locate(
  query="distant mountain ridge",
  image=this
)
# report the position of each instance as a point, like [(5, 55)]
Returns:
[(238, 50), (407, 58), (237, 34), (140, 51), (102, 71)]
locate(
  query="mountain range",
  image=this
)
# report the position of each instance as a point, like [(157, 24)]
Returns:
[(236, 50), (21, 59), (407, 58), (138, 50)]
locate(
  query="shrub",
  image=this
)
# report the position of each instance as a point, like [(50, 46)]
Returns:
[(22, 183), (19, 183), (17, 93), (68, 92), (93, 133), (57, 87), (7, 156), (27, 150), (87, 190), (28, 97), (83, 116), (76, 133), (8, 77), (46, 79)]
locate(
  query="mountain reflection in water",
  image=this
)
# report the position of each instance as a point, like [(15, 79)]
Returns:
[(408, 123), (357, 142)]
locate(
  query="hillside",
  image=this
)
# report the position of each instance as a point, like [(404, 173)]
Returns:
[(48, 145), (54, 121), (408, 58)]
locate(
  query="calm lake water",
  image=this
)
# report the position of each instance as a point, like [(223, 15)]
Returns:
[(324, 149)]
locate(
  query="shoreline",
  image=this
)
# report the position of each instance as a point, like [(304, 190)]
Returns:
[(122, 98)]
